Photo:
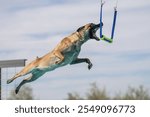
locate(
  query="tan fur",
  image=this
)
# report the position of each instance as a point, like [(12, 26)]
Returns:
[(56, 58), (45, 61)]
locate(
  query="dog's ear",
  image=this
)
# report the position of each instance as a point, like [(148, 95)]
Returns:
[(79, 29)]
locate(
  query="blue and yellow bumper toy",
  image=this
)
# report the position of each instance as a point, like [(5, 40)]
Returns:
[(103, 37)]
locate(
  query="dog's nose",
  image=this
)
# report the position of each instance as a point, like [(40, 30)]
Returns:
[(98, 25)]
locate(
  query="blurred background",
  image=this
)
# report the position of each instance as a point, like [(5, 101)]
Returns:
[(121, 70)]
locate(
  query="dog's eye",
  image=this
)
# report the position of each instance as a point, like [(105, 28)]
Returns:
[(79, 29), (91, 25)]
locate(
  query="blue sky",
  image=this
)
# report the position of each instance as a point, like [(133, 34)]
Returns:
[(30, 28)]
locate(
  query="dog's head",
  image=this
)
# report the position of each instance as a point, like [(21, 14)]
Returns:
[(89, 31)]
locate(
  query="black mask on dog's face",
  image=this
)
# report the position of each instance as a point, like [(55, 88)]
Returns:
[(92, 32), (91, 29)]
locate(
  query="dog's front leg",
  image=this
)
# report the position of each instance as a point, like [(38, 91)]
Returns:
[(60, 56), (81, 60)]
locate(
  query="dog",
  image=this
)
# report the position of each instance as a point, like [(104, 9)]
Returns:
[(66, 52)]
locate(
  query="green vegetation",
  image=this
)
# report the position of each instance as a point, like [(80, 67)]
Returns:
[(24, 94), (96, 93)]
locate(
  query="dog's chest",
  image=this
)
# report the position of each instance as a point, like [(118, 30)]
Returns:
[(71, 53)]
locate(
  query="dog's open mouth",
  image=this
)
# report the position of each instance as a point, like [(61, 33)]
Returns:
[(93, 31)]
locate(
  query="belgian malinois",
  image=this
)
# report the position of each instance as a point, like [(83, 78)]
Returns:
[(66, 52)]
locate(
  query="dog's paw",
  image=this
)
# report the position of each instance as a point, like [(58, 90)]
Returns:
[(16, 91), (9, 81), (90, 66)]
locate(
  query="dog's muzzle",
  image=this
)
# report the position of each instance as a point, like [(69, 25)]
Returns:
[(93, 30)]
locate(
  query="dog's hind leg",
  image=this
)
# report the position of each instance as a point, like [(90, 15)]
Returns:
[(22, 83), (26, 70), (12, 79), (22, 73), (33, 77), (81, 60)]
